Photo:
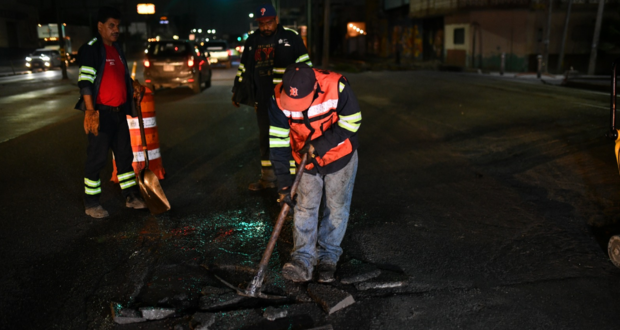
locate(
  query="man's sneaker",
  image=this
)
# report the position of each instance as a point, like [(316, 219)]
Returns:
[(97, 212), (296, 271), (326, 272), (135, 201)]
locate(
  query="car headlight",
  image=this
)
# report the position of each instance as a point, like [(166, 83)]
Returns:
[(28, 59), (28, 64), (47, 63)]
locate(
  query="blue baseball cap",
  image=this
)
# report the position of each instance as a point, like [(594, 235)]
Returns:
[(264, 12)]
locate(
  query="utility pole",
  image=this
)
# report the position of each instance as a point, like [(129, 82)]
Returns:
[(597, 33), (325, 62), (61, 42), (561, 58), (547, 36)]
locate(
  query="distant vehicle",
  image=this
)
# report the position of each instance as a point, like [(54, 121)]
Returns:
[(43, 59), (176, 63), (75, 36), (219, 53)]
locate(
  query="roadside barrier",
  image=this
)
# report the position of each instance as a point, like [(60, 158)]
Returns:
[(152, 139)]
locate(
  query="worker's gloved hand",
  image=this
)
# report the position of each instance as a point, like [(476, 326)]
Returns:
[(138, 89), (308, 149), (235, 103), (285, 197), (91, 122)]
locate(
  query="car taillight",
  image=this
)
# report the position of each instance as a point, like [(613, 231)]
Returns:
[(147, 63), (190, 61), (230, 52)]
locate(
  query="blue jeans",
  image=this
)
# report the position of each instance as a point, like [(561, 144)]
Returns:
[(307, 232)]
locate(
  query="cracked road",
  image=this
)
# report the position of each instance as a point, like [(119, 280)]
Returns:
[(492, 198)]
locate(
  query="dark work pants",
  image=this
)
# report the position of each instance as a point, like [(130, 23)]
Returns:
[(262, 115), (113, 133)]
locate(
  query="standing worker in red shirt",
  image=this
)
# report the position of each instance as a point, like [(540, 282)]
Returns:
[(267, 53), (107, 91)]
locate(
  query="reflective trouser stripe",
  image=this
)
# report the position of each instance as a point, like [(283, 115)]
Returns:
[(265, 163), (90, 191), (125, 176), (91, 183), (127, 184)]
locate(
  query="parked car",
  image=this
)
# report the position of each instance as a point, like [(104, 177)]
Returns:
[(219, 52), (43, 59), (176, 63)]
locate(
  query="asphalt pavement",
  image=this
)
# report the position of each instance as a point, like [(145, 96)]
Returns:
[(489, 199)]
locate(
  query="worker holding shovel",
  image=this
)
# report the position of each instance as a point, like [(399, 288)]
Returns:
[(314, 112)]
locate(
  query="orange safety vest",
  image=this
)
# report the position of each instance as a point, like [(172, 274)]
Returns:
[(321, 115)]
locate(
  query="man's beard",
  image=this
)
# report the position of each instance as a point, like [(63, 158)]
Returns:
[(266, 33)]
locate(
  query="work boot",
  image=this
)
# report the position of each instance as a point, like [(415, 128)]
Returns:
[(135, 201), (326, 272), (296, 271), (267, 180), (97, 212)]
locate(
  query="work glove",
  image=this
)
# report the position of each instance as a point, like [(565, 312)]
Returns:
[(137, 90), (285, 197), (235, 103), (91, 122), (307, 149)]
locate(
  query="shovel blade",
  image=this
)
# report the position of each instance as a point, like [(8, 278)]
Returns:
[(153, 194)]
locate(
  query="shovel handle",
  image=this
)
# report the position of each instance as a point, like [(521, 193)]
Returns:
[(253, 288), (142, 134)]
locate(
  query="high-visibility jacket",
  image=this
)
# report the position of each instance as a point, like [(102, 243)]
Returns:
[(330, 124), (92, 58), (289, 48)]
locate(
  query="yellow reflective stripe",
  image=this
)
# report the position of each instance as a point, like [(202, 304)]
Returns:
[(127, 184), (292, 163), (265, 163), (354, 117), (92, 41), (289, 29), (279, 143), (302, 58), (277, 131), (241, 66), (279, 70), (277, 81), (349, 126), (240, 79), (125, 176), (309, 63), (293, 171), (88, 69), (89, 191), (340, 87), (91, 183), (87, 78), (239, 73)]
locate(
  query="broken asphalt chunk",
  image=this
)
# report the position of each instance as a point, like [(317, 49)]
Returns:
[(356, 271), (273, 314), (156, 313), (202, 321), (387, 280), (329, 298), (216, 301), (122, 315)]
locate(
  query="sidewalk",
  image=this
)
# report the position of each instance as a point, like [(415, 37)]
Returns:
[(10, 71)]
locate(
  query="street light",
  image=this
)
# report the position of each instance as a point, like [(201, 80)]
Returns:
[(146, 9), (251, 15)]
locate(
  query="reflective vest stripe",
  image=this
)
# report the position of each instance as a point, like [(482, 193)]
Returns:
[(127, 184), (277, 131), (125, 176), (340, 87), (149, 122), (279, 143), (279, 70), (302, 58), (138, 156), (90, 43), (240, 79), (91, 183), (242, 67), (239, 73), (313, 111), (87, 78), (289, 29), (352, 118), (277, 80), (353, 127), (89, 191), (265, 163)]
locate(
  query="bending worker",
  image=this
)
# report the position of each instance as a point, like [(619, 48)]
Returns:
[(106, 98), (315, 112), (268, 51)]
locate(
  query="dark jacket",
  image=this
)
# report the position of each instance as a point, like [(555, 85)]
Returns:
[(289, 49), (91, 58)]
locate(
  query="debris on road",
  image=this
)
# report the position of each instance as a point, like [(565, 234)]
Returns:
[(387, 280), (330, 298), (355, 271), (202, 321), (273, 314), (156, 313), (122, 315)]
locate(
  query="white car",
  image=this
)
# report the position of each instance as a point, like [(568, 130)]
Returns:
[(43, 59), (219, 54)]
